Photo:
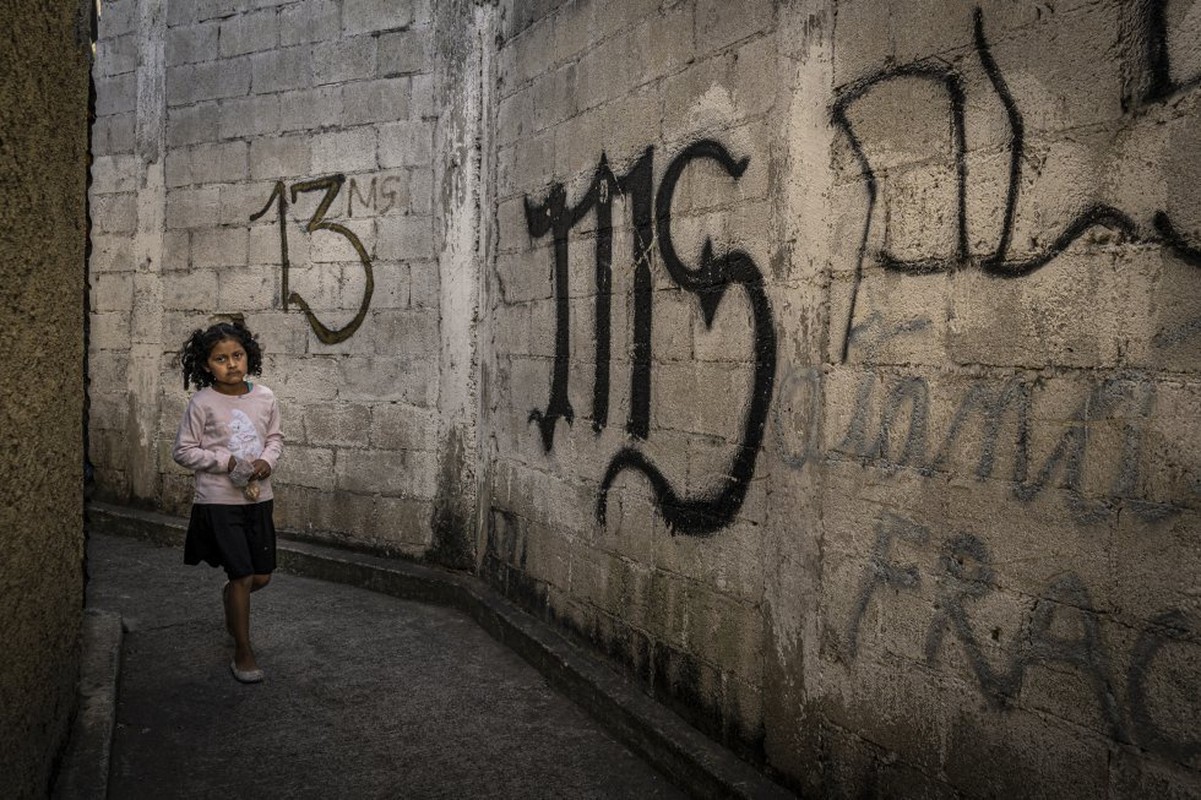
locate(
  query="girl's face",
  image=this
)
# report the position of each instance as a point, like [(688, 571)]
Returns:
[(227, 363)]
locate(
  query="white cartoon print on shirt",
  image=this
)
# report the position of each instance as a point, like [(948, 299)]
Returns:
[(244, 440)]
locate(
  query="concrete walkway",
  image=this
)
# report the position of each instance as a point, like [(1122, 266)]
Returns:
[(366, 696)]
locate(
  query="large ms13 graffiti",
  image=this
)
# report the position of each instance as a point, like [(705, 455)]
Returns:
[(708, 281)]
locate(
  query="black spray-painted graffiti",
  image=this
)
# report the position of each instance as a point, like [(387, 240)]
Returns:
[(895, 433), (379, 200), (1153, 28), (330, 185), (553, 216), (999, 262), (965, 575), (709, 280)]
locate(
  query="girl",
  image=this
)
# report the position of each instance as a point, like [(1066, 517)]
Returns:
[(230, 438)]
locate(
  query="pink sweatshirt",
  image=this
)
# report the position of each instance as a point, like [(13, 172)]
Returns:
[(216, 426)]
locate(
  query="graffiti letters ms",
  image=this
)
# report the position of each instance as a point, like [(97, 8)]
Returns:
[(716, 507)]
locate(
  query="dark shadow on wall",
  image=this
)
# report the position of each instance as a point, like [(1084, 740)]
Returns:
[(451, 523)]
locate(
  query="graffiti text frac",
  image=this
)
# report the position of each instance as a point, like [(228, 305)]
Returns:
[(965, 575), (709, 280)]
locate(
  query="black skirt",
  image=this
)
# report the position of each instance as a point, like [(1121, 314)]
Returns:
[(240, 538)]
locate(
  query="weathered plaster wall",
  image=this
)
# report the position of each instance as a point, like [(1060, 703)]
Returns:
[(44, 56), (831, 365)]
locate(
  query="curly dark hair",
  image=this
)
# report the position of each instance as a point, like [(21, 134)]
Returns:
[(194, 355)]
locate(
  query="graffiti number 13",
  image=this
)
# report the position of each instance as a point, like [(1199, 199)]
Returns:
[(331, 185)]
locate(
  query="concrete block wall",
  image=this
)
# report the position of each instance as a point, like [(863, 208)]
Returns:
[(1003, 371), (831, 366), (222, 130), (612, 394), (911, 508)]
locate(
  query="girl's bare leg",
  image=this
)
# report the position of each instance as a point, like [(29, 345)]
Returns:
[(238, 613)]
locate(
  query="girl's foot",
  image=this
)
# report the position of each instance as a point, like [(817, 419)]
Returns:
[(245, 675), (244, 661)]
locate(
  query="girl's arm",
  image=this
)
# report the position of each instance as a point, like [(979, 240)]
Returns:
[(274, 439), (188, 451)]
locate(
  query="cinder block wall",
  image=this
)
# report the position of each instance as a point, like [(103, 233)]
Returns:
[(847, 379), (832, 366), (278, 161), (43, 172), (634, 368)]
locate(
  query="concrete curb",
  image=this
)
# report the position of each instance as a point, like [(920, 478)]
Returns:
[(693, 761), (83, 774)]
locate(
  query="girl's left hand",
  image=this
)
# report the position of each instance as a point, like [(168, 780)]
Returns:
[(261, 469)]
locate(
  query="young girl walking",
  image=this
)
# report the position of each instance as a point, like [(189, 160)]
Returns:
[(230, 438)]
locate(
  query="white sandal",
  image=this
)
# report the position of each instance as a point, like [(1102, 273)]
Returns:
[(245, 675)]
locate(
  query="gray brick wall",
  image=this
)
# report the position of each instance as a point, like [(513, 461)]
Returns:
[(254, 94), (882, 470), (915, 588)]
